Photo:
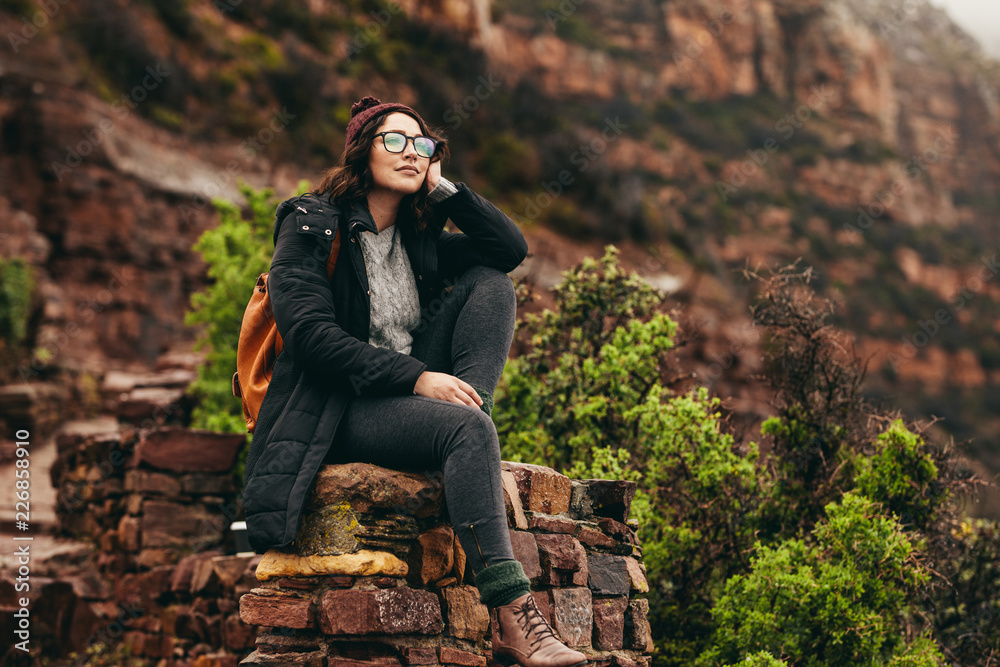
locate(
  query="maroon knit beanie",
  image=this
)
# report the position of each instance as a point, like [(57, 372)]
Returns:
[(367, 108)]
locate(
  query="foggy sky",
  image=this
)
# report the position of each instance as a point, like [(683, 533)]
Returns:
[(979, 18)]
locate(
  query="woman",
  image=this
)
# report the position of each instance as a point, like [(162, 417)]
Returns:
[(382, 364)]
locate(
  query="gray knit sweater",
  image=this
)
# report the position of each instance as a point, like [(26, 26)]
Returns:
[(395, 304), (394, 299)]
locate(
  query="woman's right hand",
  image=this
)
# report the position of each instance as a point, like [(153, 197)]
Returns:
[(446, 388)]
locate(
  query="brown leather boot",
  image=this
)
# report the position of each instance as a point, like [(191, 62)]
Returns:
[(522, 635)]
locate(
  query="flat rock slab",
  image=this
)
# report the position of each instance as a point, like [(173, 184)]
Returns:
[(149, 403), (541, 489), (638, 635), (392, 611), (147, 482), (609, 574), (170, 524), (609, 623), (188, 450), (276, 610), (572, 615), (116, 382), (453, 656), (367, 488), (468, 618), (276, 564), (260, 659)]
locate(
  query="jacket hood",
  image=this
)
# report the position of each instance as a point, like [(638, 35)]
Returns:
[(308, 204), (311, 204)]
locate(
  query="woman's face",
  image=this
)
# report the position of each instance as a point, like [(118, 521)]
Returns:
[(403, 173)]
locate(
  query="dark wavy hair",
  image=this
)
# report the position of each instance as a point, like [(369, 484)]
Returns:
[(351, 181)]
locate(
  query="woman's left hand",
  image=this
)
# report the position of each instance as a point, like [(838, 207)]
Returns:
[(433, 175)]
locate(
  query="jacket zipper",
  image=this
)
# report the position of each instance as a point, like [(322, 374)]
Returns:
[(479, 548)]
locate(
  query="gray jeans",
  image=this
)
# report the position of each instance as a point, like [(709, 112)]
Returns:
[(469, 336)]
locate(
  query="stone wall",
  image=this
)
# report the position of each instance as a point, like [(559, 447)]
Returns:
[(160, 582), (376, 575)]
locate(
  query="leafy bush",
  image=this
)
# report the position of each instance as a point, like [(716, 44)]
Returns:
[(835, 576), (698, 512), (587, 395), (237, 251), (761, 659), (965, 611), (840, 601), (17, 286), (583, 365), (902, 476)]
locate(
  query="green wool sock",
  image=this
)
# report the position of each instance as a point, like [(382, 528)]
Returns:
[(487, 397), (502, 583)]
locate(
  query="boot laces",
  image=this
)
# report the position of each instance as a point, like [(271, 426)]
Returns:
[(532, 622)]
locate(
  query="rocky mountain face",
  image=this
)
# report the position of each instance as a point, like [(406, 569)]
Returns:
[(699, 135)]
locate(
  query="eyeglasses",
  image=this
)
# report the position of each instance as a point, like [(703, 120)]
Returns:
[(395, 142)]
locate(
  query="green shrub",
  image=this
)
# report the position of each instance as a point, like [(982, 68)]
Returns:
[(839, 601), (834, 578), (237, 251), (697, 506), (17, 285), (902, 476), (586, 395), (600, 353), (965, 610), (17, 289), (762, 659)]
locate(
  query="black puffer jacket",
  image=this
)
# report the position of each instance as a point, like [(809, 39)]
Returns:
[(326, 359)]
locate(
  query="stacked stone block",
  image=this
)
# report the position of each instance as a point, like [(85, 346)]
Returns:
[(157, 506), (376, 575), (149, 496)]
